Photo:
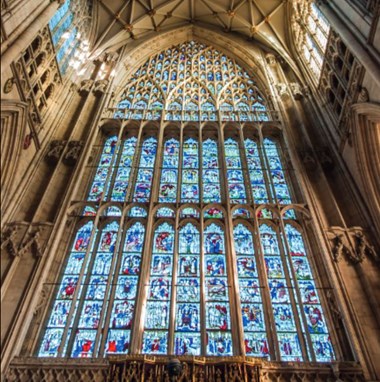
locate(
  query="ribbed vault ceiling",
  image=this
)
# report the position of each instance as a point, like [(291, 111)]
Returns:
[(121, 20)]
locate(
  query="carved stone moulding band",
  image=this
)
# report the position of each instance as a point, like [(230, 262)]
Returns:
[(151, 368)]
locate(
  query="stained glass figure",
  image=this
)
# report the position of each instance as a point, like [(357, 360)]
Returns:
[(316, 322), (123, 305), (169, 173), (123, 172), (281, 191), (217, 296), (255, 340), (190, 164), (188, 293), (256, 174), (51, 342), (235, 176), (145, 172), (113, 211), (210, 172), (103, 171), (279, 292), (158, 302), (264, 213), (90, 316)]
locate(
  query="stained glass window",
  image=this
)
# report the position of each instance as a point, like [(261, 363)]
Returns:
[(218, 322), (315, 319), (188, 82), (169, 174), (190, 172), (187, 339), (192, 274), (123, 306), (155, 340), (145, 173), (252, 311), (281, 190), (284, 318), (256, 174), (210, 174), (235, 176)]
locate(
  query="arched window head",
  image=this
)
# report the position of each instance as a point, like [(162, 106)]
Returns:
[(311, 32), (190, 82)]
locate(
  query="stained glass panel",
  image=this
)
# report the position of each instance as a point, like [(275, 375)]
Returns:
[(256, 174), (145, 172), (210, 173), (235, 176), (158, 302), (190, 181), (169, 173)]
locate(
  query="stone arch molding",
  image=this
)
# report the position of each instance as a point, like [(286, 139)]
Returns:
[(14, 115), (365, 120)]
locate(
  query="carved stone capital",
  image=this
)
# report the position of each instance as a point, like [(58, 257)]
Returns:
[(271, 59)]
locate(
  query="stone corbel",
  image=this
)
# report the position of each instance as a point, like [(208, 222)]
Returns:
[(10, 240), (100, 87), (85, 86), (34, 242), (362, 246), (74, 149), (55, 151), (296, 90), (271, 59), (282, 90), (340, 246)]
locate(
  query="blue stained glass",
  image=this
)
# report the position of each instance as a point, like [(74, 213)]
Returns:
[(316, 323), (211, 183), (137, 212), (158, 303), (189, 212), (169, 174), (256, 174), (219, 343), (126, 290), (104, 169), (190, 186), (188, 291), (145, 173), (118, 341), (235, 177), (120, 186), (216, 285), (281, 190), (51, 342), (84, 343), (284, 316), (241, 213), (289, 214), (165, 212), (250, 297)]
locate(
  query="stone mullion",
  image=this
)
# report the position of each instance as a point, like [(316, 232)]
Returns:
[(271, 330), (180, 159), (200, 165), (230, 255), (87, 259), (202, 281)]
